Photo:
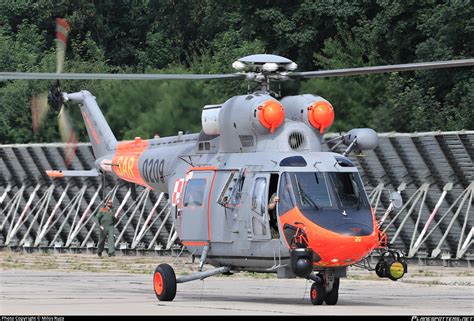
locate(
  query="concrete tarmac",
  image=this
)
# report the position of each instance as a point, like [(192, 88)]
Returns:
[(83, 293)]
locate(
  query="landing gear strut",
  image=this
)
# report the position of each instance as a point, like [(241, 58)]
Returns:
[(165, 281)]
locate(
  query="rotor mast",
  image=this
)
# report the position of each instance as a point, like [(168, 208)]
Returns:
[(263, 68)]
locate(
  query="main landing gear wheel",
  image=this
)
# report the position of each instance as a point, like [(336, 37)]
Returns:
[(331, 297), (317, 293), (164, 282)]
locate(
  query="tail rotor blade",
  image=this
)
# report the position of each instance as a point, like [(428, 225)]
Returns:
[(68, 135), (34, 114), (43, 107), (62, 32), (39, 110)]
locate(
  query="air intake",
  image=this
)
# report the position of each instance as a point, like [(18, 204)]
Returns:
[(296, 140)]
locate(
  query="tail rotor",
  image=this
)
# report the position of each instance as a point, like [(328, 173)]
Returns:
[(43, 103)]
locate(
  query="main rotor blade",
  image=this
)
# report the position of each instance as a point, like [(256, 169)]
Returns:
[(304, 74), (382, 69), (86, 76)]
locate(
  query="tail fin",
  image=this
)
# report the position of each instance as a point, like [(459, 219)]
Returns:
[(101, 136)]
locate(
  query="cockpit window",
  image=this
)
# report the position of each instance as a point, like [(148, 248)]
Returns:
[(346, 188), (311, 190), (286, 195), (316, 190)]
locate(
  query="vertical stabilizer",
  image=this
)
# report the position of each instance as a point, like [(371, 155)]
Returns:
[(101, 136)]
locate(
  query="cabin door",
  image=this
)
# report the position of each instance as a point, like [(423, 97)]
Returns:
[(194, 211)]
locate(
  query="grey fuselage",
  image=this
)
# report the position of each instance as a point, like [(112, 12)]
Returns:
[(238, 235)]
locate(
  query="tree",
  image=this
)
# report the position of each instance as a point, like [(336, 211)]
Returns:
[(207, 36)]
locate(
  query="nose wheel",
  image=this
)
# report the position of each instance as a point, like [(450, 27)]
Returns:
[(324, 291), (333, 295), (318, 293)]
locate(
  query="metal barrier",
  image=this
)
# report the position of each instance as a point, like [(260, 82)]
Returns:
[(434, 172)]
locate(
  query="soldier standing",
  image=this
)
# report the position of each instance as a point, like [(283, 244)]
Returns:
[(106, 220)]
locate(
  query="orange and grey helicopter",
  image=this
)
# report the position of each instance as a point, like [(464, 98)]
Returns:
[(253, 190)]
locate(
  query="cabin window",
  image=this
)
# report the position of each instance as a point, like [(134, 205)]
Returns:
[(194, 195), (232, 192), (236, 194), (293, 161), (258, 195)]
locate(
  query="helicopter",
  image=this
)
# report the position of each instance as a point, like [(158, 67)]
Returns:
[(253, 190)]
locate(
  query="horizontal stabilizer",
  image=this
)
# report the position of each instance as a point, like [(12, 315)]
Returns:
[(60, 173)]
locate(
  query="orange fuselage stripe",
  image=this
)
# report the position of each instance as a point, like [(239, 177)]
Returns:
[(191, 243), (91, 127), (126, 160), (209, 208), (202, 168)]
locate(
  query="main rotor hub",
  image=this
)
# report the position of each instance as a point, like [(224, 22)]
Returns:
[(263, 67)]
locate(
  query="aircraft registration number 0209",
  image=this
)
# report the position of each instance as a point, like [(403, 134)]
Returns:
[(153, 170)]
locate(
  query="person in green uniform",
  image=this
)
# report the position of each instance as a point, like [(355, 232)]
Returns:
[(106, 221)]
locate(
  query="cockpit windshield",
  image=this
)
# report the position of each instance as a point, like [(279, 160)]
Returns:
[(346, 188), (311, 190), (318, 190)]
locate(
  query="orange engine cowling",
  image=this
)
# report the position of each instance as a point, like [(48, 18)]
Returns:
[(321, 115), (271, 114), (314, 111)]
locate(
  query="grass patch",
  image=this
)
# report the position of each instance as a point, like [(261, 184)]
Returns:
[(466, 273), (257, 275), (366, 277), (50, 265)]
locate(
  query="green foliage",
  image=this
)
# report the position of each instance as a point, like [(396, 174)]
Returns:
[(207, 36), (153, 107)]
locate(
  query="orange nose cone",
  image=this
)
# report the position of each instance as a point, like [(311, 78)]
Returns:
[(321, 115), (271, 114)]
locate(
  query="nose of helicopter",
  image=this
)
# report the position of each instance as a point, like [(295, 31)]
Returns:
[(334, 249)]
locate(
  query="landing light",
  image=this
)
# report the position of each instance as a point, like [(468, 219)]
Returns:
[(391, 265), (396, 270)]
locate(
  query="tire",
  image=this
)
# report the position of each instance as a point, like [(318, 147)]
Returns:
[(164, 282), (317, 293), (380, 269), (331, 297)]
